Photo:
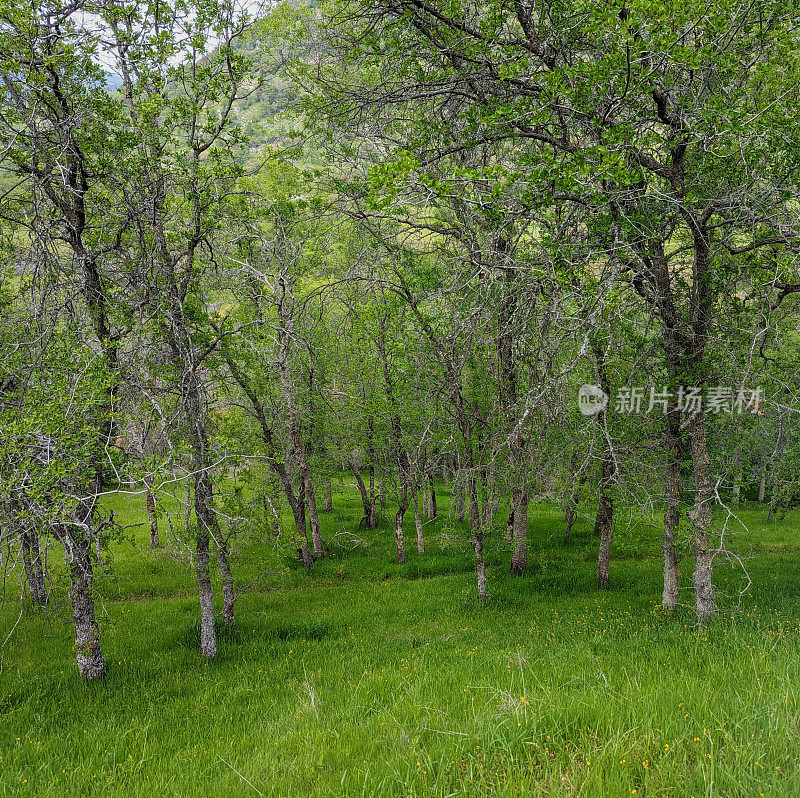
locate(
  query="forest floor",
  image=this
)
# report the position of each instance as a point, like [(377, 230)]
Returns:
[(369, 678)]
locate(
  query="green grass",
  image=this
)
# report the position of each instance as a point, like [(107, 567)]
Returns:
[(369, 678)]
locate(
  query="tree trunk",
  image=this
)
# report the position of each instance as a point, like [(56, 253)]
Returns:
[(383, 490), (91, 663), (603, 527), (492, 501), (32, 562), (313, 515), (569, 518), (327, 498), (762, 488), (206, 522), (401, 455), (298, 505), (477, 536), (434, 510), (398, 535), (604, 522), (366, 500), (509, 536), (576, 481), (229, 597), (672, 492), (460, 499), (519, 559), (480, 566), (150, 502), (285, 300), (700, 517), (418, 524), (371, 519)]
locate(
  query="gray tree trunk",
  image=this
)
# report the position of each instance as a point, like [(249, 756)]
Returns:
[(672, 493), (604, 525), (91, 663), (700, 517), (367, 501), (432, 507), (762, 487), (519, 559), (576, 482), (604, 521), (32, 563), (398, 535), (327, 497), (418, 523), (476, 538), (228, 594), (313, 516), (206, 522), (460, 498), (150, 502)]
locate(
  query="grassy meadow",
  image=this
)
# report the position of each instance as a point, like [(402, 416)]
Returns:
[(369, 678)]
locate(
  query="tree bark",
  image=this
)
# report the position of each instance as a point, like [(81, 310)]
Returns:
[(509, 536), (285, 300), (398, 535), (418, 523), (296, 501), (492, 500), (403, 461), (604, 524), (672, 492), (313, 516), (367, 501), (477, 538), (91, 663), (577, 479), (370, 516), (206, 522), (433, 509), (519, 559), (327, 497), (604, 521), (228, 594), (700, 517), (150, 502), (32, 563), (270, 505), (460, 498)]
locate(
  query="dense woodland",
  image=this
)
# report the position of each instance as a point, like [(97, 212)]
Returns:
[(250, 257)]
